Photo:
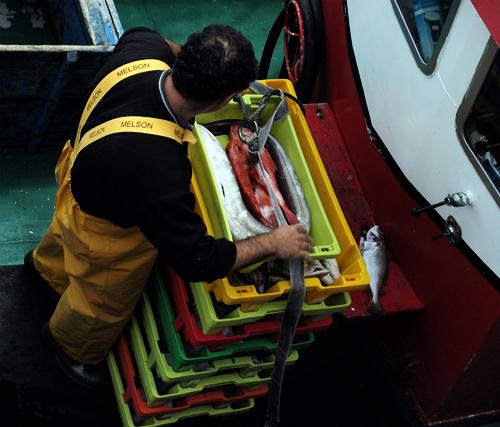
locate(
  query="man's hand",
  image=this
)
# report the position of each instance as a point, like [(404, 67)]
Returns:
[(291, 241)]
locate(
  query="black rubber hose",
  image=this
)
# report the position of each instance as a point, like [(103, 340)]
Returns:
[(313, 39), (293, 46), (319, 25), (312, 16), (313, 28), (270, 45)]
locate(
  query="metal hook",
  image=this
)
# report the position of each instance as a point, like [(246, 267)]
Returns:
[(247, 139)]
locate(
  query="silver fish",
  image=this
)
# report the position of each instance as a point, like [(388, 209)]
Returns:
[(373, 249), (327, 270), (314, 268), (333, 271), (241, 222), (289, 183)]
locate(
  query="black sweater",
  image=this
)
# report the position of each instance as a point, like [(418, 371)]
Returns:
[(142, 180)]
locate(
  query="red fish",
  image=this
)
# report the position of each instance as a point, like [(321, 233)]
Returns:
[(251, 182)]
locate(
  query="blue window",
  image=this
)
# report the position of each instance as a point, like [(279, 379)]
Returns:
[(425, 23)]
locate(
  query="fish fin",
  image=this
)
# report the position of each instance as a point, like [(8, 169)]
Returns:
[(361, 244), (327, 280), (333, 268), (312, 267), (364, 230)]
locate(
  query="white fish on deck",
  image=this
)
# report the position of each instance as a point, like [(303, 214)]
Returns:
[(372, 247)]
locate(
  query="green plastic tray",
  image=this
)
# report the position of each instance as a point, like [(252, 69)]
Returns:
[(159, 360), (173, 339), (155, 391), (211, 323), (325, 241), (127, 415), (188, 377)]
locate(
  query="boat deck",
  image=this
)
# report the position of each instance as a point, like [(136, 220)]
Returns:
[(343, 380)]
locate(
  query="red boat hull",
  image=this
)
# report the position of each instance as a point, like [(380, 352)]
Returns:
[(451, 348)]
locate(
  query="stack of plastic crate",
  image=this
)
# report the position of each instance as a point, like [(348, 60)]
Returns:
[(208, 349), (159, 379)]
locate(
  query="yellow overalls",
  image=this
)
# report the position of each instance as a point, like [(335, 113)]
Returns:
[(99, 268)]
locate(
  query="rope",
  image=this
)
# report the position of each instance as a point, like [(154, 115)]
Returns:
[(250, 119)]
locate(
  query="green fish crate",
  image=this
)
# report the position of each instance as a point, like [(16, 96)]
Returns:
[(129, 419), (161, 360), (191, 381), (179, 357), (135, 396), (212, 323)]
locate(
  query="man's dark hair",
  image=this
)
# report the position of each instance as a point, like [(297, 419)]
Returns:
[(213, 64)]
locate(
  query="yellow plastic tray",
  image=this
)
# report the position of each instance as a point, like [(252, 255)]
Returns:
[(354, 275), (325, 241)]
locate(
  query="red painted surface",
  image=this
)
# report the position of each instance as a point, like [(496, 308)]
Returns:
[(397, 295), (486, 359), (461, 306), (489, 11)]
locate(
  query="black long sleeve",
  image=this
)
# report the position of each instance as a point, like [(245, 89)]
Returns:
[(143, 180)]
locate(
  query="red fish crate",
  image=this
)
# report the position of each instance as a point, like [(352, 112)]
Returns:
[(185, 321), (132, 394)]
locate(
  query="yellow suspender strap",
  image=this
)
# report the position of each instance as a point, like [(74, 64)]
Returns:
[(136, 124), (114, 77)]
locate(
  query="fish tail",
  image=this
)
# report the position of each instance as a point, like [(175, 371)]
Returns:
[(375, 307)]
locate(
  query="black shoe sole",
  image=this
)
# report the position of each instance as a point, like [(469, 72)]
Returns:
[(50, 346)]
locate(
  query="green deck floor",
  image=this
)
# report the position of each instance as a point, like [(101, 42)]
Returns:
[(176, 19), (26, 182), (27, 189)]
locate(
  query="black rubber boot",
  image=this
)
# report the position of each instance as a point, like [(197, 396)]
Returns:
[(92, 377)]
